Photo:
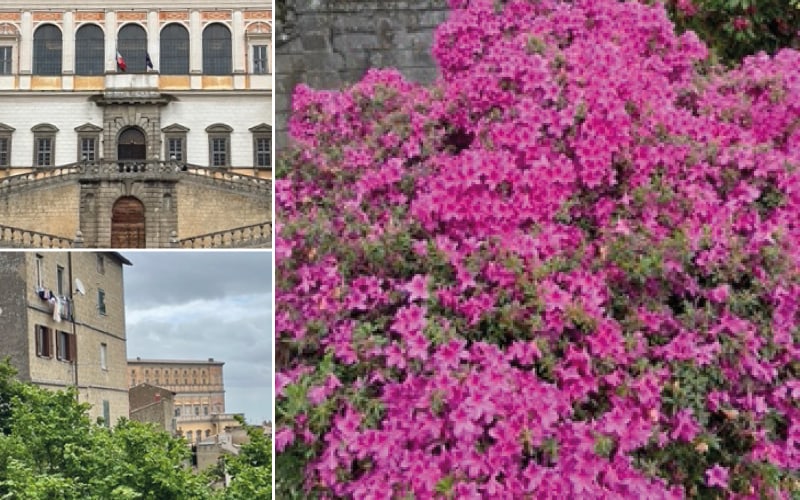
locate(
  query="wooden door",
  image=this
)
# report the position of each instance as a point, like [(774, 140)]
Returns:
[(127, 223)]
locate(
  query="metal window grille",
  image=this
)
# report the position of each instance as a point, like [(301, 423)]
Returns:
[(260, 62), (219, 152), (44, 152), (174, 50), (132, 45), (217, 50), (5, 60), (263, 152), (89, 50), (88, 149), (47, 50)]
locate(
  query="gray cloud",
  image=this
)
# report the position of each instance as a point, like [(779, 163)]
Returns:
[(199, 305)]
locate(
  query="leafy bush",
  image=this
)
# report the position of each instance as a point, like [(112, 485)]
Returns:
[(569, 268)]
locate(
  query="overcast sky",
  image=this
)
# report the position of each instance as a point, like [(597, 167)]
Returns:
[(200, 305)]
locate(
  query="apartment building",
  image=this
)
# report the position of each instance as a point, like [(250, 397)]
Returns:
[(63, 324)]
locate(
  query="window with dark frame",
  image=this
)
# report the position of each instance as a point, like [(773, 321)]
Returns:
[(174, 50), (47, 48), (65, 346), (175, 148), (6, 52), (88, 148), (217, 53), (263, 149), (219, 151), (219, 137), (89, 50), (5, 151), (44, 152), (44, 140), (101, 301), (260, 61), (44, 342), (101, 264)]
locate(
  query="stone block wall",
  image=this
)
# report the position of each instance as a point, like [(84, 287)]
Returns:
[(206, 208), (52, 208), (328, 44)]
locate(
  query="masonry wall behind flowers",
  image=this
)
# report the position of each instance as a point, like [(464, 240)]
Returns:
[(568, 269), (331, 43)]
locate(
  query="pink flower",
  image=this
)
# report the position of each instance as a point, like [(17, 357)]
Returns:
[(685, 426), (717, 476), (417, 288), (283, 438)]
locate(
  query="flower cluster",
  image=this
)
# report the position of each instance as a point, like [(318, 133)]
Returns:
[(568, 268)]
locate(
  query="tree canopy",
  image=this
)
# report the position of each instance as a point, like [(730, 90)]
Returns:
[(50, 449)]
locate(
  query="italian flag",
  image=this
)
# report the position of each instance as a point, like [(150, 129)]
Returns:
[(121, 62)]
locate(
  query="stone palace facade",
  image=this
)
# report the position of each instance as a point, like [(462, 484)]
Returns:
[(142, 124)]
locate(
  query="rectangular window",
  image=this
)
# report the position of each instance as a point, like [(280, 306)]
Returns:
[(260, 62), (219, 152), (44, 342), (103, 356), (106, 413), (196, 411), (101, 264), (65, 346), (39, 267), (44, 152), (88, 150), (101, 301), (175, 148), (177, 411), (5, 152), (205, 411), (5, 60), (60, 281), (263, 147)]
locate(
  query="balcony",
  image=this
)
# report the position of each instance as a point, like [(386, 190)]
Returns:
[(131, 88)]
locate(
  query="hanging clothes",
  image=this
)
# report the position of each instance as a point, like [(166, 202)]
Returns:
[(56, 310)]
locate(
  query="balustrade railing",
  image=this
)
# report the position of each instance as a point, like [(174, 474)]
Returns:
[(16, 237), (257, 235), (133, 168)]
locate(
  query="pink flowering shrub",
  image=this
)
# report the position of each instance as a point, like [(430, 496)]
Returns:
[(569, 269)]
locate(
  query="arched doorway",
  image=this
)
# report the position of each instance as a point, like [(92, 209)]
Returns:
[(127, 223), (131, 145)]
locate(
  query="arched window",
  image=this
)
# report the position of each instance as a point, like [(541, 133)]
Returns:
[(47, 50), (132, 45), (174, 50), (217, 50), (89, 50)]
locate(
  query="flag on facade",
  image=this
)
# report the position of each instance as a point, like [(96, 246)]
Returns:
[(148, 61), (121, 62)]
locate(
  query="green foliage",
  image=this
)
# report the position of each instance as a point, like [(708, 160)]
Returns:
[(251, 469), (50, 449), (734, 29)]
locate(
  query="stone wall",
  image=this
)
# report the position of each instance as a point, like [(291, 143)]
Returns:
[(206, 208), (331, 43), (51, 208)]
